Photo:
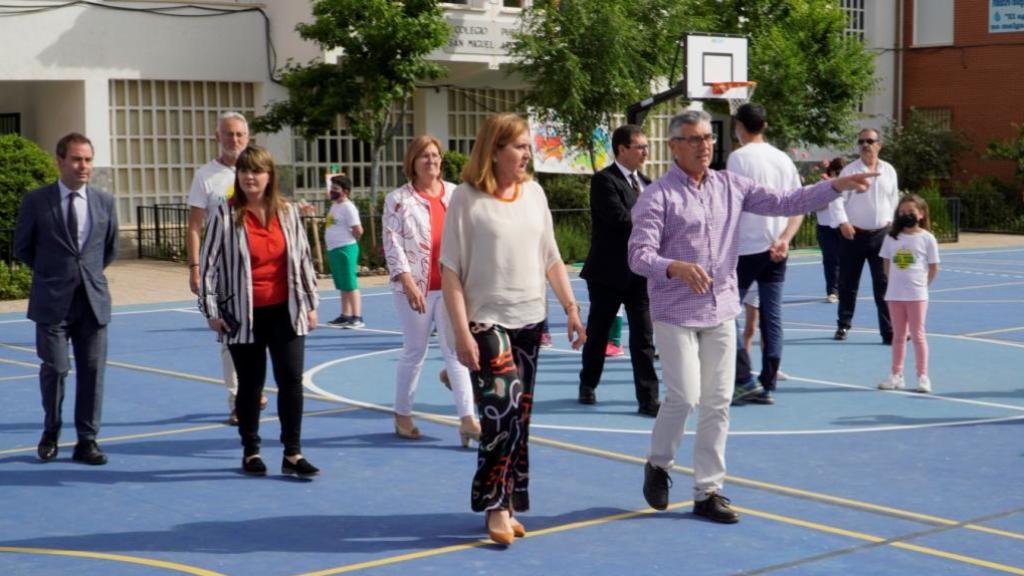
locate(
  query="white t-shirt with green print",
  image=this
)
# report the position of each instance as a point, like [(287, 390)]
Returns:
[(909, 256)]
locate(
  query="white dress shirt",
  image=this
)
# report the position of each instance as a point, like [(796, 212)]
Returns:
[(874, 208)]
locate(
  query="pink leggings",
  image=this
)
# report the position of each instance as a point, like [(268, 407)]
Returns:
[(909, 315)]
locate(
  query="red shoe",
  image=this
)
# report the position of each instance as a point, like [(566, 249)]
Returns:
[(612, 350)]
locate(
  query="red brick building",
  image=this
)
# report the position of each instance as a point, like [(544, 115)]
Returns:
[(963, 63)]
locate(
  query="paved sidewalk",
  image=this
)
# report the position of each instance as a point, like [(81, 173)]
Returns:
[(148, 281)]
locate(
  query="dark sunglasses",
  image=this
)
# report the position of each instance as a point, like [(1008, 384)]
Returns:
[(867, 141)]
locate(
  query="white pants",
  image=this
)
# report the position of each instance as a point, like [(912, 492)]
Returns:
[(230, 379), (416, 329), (698, 368)]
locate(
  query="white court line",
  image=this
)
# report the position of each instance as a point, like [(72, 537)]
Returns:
[(22, 377), (18, 362), (999, 331)]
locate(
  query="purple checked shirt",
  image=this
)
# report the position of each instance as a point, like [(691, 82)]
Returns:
[(674, 219)]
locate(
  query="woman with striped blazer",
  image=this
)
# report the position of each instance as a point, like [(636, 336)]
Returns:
[(258, 293)]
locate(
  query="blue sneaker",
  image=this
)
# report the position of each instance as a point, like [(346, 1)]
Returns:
[(743, 392), (340, 322), (355, 322)]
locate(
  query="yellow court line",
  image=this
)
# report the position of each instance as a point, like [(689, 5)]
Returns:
[(478, 543), (877, 540), (202, 428), (115, 557), (751, 483)]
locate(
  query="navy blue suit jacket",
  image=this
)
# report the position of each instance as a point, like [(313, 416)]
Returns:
[(41, 241)]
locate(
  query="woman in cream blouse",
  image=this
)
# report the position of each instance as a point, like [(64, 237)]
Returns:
[(498, 248)]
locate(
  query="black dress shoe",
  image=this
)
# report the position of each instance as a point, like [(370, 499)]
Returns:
[(649, 409), (88, 452), (841, 334), (716, 508), (656, 485), (587, 396), (47, 449), (254, 466), (301, 469)]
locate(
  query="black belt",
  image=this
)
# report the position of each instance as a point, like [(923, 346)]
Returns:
[(864, 231)]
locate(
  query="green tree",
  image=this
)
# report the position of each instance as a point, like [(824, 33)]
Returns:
[(921, 151), (25, 167), (587, 59), (811, 76), (1012, 149), (383, 46)]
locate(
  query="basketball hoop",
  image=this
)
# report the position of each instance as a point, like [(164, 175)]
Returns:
[(744, 91)]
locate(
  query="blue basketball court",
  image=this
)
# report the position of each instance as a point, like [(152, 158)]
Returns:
[(836, 478)]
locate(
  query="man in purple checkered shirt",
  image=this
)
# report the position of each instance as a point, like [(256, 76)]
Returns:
[(684, 240)]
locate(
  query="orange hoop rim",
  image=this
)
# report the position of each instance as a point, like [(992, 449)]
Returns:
[(720, 88)]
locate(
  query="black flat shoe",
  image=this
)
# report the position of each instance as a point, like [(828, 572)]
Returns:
[(650, 409), (47, 449), (254, 466), (301, 469), (656, 485), (88, 452), (841, 334), (716, 508), (587, 396)]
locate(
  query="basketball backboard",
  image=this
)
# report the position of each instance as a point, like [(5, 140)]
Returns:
[(711, 59)]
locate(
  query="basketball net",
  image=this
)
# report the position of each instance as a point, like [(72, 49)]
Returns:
[(744, 92)]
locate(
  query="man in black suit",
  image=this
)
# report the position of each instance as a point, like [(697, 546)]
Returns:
[(67, 235), (611, 283)]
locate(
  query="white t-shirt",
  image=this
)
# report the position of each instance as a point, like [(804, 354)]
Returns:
[(213, 183), (501, 252), (340, 220), (909, 256), (770, 167)]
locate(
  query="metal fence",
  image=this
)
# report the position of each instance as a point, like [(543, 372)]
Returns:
[(162, 230)]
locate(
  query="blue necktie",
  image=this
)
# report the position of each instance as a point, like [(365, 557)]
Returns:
[(72, 219)]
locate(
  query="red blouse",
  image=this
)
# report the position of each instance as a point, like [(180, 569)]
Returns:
[(268, 254), (437, 211)]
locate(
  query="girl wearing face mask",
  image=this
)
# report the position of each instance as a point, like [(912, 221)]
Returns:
[(911, 261), (342, 239)]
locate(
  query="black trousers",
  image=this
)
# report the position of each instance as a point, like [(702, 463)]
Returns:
[(865, 246), (828, 240), (272, 330), (89, 340), (604, 305)]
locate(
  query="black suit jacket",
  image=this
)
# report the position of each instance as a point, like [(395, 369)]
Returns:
[(42, 242), (611, 200)]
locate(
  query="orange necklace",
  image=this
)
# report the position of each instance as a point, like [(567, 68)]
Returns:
[(515, 195)]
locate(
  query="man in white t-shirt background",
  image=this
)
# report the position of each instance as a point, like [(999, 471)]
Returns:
[(763, 247), (214, 183)]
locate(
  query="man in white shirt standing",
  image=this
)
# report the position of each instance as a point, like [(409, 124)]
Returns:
[(763, 244), (863, 221), (214, 183)]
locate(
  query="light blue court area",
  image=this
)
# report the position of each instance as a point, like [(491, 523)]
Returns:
[(836, 478)]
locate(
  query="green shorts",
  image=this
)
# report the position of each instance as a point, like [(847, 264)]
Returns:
[(344, 262)]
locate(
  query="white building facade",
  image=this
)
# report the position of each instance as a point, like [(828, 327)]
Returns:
[(146, 80)]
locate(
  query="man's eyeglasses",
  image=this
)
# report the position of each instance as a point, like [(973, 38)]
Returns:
[(640, 146), (866, 141), (696, 140)]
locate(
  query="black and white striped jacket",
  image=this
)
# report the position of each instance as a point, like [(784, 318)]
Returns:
[(226, 270)]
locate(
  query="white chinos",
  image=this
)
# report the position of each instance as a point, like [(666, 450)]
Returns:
[(698, 367), (416, 329)]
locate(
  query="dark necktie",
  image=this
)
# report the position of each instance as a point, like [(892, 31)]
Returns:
[(72, 219), (634, 183)]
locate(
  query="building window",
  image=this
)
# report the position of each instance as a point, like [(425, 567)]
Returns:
[(161, 132), (10, 123), (339, 150), (933, 22), (940, 117), (468, 107), (854, 18), (514, 3)]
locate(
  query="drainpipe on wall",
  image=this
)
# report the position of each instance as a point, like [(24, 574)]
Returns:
[(898, 91)]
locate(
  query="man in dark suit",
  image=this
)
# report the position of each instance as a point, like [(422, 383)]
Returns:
[(611, 283), (67, 235)]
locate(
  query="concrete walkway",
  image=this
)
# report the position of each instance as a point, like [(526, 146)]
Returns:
[(149, 281)]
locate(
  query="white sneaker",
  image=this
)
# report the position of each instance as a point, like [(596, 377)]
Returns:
[(924, 385), (893, 382), (780, 375), (832, 298)]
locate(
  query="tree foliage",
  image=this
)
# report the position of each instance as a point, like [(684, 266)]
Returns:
[(811, 75), (383, 46), (922, 151), (25, 167), (1012, 149), (587, 59)]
